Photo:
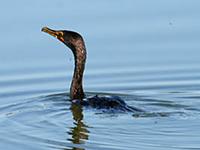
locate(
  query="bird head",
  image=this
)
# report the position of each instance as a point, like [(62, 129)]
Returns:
[(69, 38)]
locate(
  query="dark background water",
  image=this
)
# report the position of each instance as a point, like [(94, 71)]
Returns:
[(145, 52)]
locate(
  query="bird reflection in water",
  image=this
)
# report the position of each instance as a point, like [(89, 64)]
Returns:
[(79, 133)]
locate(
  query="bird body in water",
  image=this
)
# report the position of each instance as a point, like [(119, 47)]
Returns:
[(75, 42)]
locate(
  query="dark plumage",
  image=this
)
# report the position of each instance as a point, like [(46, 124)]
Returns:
[(75, 42)]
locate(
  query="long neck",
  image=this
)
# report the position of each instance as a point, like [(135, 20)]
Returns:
[(76, 89)]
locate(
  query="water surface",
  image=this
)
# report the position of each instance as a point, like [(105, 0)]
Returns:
[(145, 52)]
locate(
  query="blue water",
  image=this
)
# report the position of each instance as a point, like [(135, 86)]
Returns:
[(145, 52)]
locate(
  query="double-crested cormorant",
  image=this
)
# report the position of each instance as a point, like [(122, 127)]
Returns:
[(75, 42)]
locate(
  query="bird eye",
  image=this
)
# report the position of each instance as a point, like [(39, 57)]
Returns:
[(61, 33)]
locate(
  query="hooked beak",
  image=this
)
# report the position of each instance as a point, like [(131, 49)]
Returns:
[(57, 34)]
